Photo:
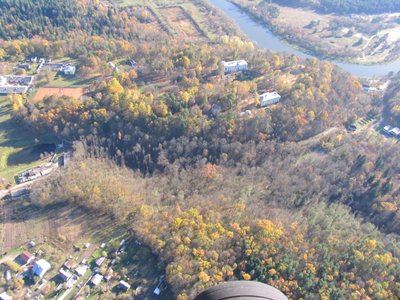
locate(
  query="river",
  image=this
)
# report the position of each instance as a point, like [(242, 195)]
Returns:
[(266, 39)]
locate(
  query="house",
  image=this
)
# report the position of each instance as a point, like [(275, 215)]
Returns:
[(25, 258), (26, 67), (41, 267), (69, 264), (133, 63), (124, 286), (69, 70), (81, 270), (387, 129), (395, 131), (234, 66), (100, 261), (8, 275), (5, 296), (65, 274), (71, 282), (369, 89), (109, 274), (96, 279), (267, 99)]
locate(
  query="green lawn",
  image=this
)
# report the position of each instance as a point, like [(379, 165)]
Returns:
[(18, 150), (70, 81)]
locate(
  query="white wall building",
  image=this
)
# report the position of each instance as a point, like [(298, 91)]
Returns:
[(96, 279), (234, 66), (267, 99), (69, 70), (41, 267)]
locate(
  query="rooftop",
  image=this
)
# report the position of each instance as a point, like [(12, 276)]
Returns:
[(234, 63), (96, 279), (272, 95)]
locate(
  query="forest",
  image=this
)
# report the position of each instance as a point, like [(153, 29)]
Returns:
[(283, 195), (392, 103), (348, 6), (212, 223)]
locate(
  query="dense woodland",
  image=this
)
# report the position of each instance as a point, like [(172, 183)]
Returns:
[(348, 6), (212, 223), (219, 196), (55, 19), (392, 102)]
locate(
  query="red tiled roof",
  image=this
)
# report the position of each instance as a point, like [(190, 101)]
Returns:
[(26, 256)]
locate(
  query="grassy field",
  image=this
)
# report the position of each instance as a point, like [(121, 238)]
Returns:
[(73, 81), (182, 18), (19, 149)]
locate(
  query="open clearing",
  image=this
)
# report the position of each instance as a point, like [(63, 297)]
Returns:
[(60, 224), (43, 92), (180, 21), (18, 148)]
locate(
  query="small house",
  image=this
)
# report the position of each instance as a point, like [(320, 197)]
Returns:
[(387, 129), (369, 89), (81, 270), (69, 70), (41, 267), (25, 258), (395, 131), (5, 296), (96, 279), (234, 66), (268, 99), (65, 274), (124, 286), (109, 274), (69, 264), (100, 261)]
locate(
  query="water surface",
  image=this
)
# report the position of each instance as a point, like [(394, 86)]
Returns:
[(266, 39)]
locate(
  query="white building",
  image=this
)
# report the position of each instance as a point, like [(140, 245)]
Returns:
[(387, 129), (3, 80), (267, 99), (123, 285), (395, 131), (234, 66), (65, 274), (69, 70), (81, 270), (41, 267), (96, 279), (100, 261), (5, 296)]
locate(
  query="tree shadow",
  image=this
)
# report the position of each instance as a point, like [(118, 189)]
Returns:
[(30, 155)]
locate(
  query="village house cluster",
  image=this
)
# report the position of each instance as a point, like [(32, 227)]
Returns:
[(18, 84), (238, 66), (35, 173), (13, 84)]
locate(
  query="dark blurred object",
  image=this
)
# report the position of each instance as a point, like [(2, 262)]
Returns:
[(241, 290)]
